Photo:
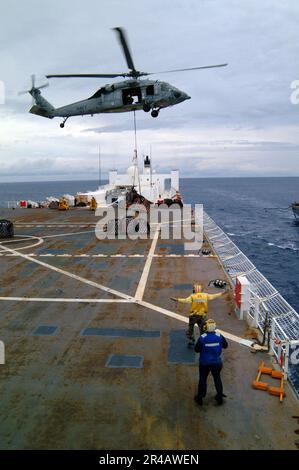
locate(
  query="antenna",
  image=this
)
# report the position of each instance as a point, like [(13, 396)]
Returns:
[(100, 175), (151, 174), (135, 159)]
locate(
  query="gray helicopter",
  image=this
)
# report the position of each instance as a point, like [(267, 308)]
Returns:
[(120, 97)]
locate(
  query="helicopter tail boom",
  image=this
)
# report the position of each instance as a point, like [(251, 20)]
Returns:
[(41, 106), (40, 112)]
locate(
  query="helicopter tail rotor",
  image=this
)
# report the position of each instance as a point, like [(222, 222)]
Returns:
[(34, 89)]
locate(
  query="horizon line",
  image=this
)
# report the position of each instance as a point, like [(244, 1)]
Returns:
[(181, 177)]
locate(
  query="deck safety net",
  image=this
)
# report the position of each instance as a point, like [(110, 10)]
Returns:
[(235, 263)]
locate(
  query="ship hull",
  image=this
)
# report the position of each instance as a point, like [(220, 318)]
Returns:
[(295, 209)]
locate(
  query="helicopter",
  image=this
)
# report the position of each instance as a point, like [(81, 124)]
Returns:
[(131, 94)]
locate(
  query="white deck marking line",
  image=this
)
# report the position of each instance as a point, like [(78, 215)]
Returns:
[(236, 339), (99, 255), (67, 300), (28, 238), (67, 273), (26, 224), (176, 316), (67, 234), (173, 222), (11, 255), (144, 276), (128, 298), (45, 255), (65, 255), (17, 240), (168, 313)]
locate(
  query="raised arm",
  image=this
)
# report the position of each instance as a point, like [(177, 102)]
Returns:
[(216, 296), (187, 300)]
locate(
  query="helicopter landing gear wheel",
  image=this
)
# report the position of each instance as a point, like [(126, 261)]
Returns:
[(63, 122), (146, 107), (155, 113)]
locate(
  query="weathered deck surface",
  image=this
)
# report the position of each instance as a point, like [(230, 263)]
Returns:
[(56, 391)]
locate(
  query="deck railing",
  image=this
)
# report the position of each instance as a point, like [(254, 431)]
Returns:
[(266, 304)]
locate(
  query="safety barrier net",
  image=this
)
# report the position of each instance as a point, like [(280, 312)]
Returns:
[(236, 264)]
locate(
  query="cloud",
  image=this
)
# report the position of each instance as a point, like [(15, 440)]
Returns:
[(239, 120)]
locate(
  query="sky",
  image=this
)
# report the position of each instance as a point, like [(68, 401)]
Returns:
[(239, 122)]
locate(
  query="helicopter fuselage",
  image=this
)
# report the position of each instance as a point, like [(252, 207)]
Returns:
[(120, 97), (126, 96)]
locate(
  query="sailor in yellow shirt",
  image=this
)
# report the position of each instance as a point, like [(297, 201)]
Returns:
[(198, 310)]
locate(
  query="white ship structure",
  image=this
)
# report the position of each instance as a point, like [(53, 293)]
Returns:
[(157, 188)]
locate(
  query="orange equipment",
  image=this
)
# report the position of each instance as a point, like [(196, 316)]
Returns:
[(277, 391)]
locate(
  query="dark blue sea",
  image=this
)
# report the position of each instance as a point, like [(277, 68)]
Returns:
[(244, 207)]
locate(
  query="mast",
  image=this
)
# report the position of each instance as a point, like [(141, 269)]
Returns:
[(151, 181), (135, 158), (100, 175)]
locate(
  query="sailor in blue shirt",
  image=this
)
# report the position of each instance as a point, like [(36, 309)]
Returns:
[(209, 346)]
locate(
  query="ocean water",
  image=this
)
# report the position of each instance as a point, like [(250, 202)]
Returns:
[(243, 207)]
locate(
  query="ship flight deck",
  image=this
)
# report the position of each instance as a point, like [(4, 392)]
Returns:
[(96, 354)]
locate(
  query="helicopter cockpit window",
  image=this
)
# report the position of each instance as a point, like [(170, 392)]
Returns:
[(131, 96), (150, 90), (98, 93), (164, 87)]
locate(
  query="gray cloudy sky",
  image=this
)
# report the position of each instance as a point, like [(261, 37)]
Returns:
[(239, 122)]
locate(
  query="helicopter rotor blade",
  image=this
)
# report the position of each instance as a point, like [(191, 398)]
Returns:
[(43, 86), (33, 87), (124, 43), (89, 75), (191, 68)]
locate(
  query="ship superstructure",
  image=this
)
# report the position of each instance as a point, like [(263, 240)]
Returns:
[(153, 186)]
